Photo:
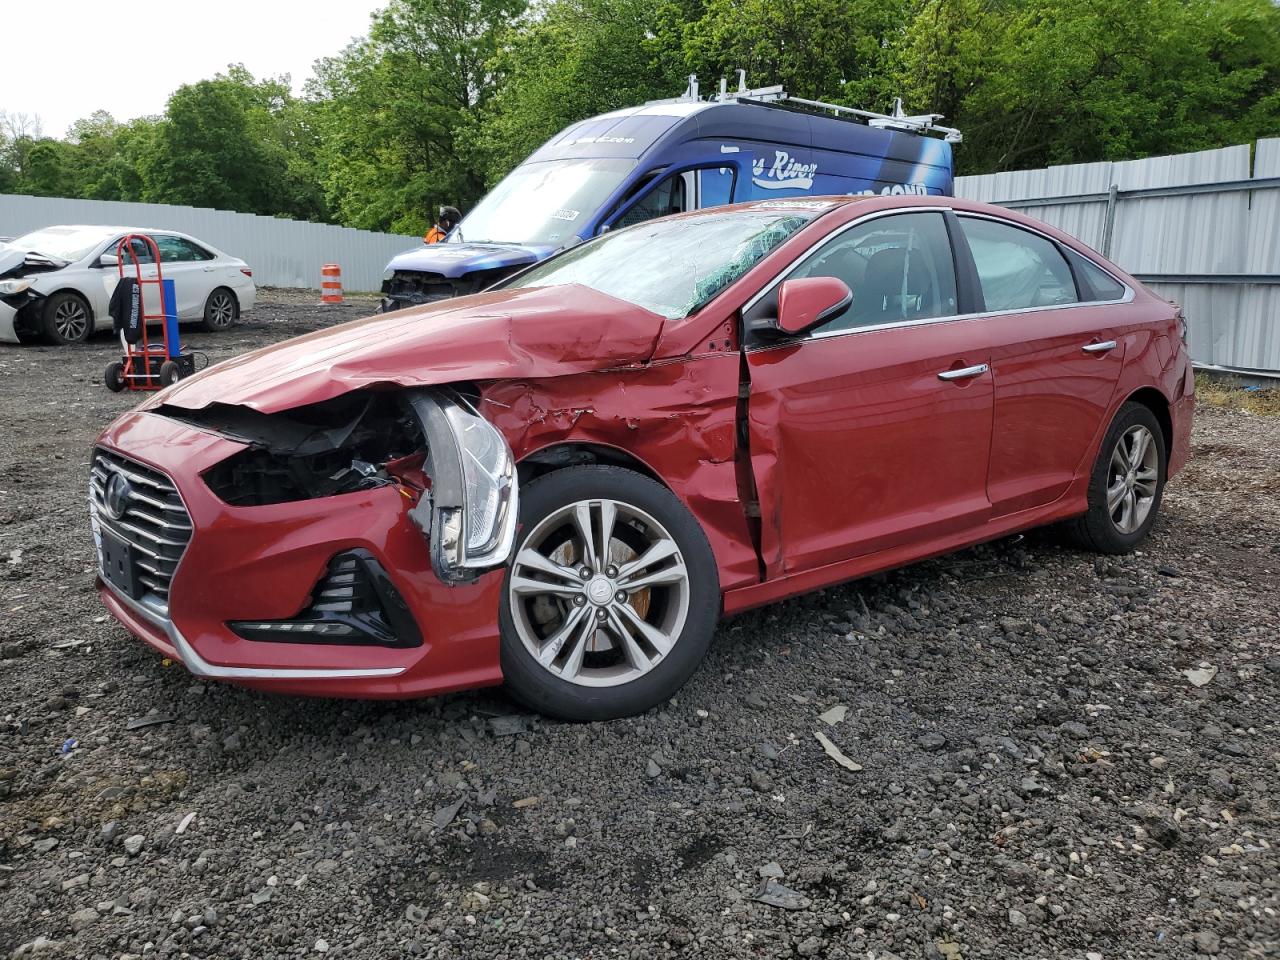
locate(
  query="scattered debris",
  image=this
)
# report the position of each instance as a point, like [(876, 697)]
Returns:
[(68, 745), (526, 802), (836, 754), (1201, 676), (774, 894), (835, 715), (444, 816), (186, 822), (153, 720), (771, 869)]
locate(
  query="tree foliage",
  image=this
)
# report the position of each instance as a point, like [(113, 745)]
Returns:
[(443, 97)]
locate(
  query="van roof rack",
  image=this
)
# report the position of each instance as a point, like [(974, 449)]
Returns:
[(776, 96)]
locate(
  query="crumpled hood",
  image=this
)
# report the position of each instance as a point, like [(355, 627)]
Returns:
[(11, 260), (455, 260), (502, 334)]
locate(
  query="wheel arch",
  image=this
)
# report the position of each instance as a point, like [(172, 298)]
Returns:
[(78, 294), (1158, 404), (568, 453)]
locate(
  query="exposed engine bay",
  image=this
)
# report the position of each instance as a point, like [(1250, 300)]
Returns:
[(454, 469)]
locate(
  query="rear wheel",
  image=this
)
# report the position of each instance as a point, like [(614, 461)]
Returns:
[(1127, 484), (66, 318), (612, 598), (221, 310)]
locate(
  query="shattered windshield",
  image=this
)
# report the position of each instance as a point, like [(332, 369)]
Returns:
[(545, 202), (61, 243), (673, 267)]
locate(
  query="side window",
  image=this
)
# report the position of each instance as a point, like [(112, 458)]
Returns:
[(178, 250), (899, 267), (140, 250), (1097, 284), (715, 186), (669, 196), (1017, 269)]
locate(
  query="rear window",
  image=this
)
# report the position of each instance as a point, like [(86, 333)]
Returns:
[(1099, 285)]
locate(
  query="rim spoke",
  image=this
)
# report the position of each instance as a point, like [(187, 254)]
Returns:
[(555, 643), (582, 520), (635, 656), (584, 632), (659, 551), (1127, 511), (526, 586), (608, 517), (667, 575), (529, 557), (1138, 449), (660, 642), (1119, 459), (1115, 493)]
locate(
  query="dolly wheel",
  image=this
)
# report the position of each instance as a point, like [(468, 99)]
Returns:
[(114, 377), (170, 373)]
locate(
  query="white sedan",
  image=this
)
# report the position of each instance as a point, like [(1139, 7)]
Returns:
[(57, 282)]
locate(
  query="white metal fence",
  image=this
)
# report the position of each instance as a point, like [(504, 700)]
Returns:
[(1202, 229), (282, 253)]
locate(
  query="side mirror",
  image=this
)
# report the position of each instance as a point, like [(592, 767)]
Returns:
[(806, 302), (108, 260)]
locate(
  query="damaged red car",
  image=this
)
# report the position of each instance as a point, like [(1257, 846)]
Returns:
[(562, 483)]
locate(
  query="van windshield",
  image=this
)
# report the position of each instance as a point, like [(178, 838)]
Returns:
[(675, 265), (544, 202)]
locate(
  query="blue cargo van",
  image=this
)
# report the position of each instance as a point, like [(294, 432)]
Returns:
[(632, 165)]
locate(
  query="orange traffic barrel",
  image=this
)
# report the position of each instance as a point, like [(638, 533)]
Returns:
[(331, 283)]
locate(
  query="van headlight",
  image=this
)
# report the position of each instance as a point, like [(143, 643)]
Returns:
[(469, 514)]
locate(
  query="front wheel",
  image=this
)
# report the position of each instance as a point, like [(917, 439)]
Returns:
[(1126, 485), (66, 318), (612, 597)]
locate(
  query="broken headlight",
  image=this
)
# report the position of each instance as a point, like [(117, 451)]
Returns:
[(469, 515)]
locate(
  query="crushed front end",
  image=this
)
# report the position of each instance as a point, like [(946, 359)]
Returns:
[(347, 548)]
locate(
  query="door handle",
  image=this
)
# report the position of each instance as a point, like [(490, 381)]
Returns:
[(1102, 347), (964, 373)]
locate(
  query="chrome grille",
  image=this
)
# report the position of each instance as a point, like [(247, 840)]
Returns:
[(155, 523)]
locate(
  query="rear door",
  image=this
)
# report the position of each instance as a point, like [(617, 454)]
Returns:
[(1056, 356), (874, 431), (192, 270)]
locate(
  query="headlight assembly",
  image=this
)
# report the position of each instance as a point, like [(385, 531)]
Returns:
[(469, 514), (10, 287)]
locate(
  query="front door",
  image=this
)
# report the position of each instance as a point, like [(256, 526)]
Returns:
[(1056, 361), (873, 431)]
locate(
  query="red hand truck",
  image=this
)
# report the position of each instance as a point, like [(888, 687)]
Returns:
[(145, 365)]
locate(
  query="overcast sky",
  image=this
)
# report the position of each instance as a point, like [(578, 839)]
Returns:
[(59, 55)]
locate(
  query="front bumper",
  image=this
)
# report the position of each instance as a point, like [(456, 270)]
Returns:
[(261, 563), (8, 323)]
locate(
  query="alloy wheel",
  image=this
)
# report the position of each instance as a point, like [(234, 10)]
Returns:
[(599, 593), (71, 319), (1132, 479), (221, 310)]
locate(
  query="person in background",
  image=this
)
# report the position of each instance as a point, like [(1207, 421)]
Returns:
[(449, 217)]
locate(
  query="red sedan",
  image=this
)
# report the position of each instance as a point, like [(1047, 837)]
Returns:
[(562, 483)]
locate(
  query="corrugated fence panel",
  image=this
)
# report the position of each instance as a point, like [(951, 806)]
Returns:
[(1209, 238), (1184, 234), (282, 253)]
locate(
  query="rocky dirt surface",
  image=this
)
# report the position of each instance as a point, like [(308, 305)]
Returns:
[(1058, 756)]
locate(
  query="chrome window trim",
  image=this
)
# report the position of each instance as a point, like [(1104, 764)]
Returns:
[(950, 318)]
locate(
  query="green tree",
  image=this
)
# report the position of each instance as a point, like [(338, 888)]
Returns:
[(396, 112)]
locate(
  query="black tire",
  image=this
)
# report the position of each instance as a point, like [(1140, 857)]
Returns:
[(114, 377), (1098, 530), (221, 310), (66, 318), (170, 373), (549, 694)]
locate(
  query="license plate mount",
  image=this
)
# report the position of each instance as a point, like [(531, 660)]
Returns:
[(118, 566)]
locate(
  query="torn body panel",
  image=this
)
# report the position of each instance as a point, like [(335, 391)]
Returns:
[(678, 418)]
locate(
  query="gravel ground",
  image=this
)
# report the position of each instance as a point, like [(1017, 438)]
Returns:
[(1039, 775)]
